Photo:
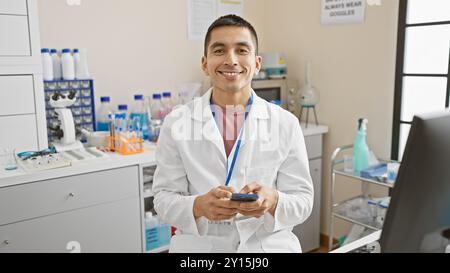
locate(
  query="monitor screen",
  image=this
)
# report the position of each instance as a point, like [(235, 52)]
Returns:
[(418, 218)]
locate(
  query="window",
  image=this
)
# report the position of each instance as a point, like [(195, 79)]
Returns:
[(423, 62)]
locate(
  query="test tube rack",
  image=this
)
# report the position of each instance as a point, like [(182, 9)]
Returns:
[(126, 146)]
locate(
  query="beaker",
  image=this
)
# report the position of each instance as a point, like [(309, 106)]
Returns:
[(8, 160), (348, 163)]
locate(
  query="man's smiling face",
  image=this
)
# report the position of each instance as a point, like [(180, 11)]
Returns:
[(231, 60)]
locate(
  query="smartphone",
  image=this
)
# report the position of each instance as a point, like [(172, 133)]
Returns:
[(244, 197)]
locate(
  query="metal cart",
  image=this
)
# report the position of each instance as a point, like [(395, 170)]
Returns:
[(340, 209)]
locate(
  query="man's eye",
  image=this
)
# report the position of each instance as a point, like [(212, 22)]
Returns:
[(243, 51), (218, 51)]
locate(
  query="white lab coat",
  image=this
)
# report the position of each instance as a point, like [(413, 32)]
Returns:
[(191, 160)]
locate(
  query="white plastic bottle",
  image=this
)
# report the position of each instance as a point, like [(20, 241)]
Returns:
[(157, 116), (76, 61), (148, 109), (68, 65), (104, 112), (122, 117), (81, 67), (151, 231), (47, 65), (167, 103), (56, 60), (157, 107)]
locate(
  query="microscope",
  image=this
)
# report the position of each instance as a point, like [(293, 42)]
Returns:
[(65, 132)]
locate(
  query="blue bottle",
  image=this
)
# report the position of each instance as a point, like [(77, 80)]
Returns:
[(164, 234), (151, 231), (104, 113), (139, 116), (360, 148)]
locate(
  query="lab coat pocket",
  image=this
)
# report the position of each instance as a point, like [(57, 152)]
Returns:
[(186, 243), (283, 241)]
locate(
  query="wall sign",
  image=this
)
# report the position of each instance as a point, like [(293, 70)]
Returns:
[(201, 13), (336, 12)]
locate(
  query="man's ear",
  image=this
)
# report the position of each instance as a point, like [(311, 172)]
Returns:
[(258, 64), (205, 66)]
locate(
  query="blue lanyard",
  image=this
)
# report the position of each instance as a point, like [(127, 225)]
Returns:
[(239, 140)]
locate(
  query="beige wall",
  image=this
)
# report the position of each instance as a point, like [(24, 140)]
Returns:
[(353, 67), (133, 45)]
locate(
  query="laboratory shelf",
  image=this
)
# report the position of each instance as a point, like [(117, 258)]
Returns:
[(148, 194), (148, 190), (83, 110), (159, 249), (351, 210), (352, 175)]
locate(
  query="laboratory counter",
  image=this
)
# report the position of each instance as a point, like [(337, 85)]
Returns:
[(110, 161), (313, 129), (63, 209)]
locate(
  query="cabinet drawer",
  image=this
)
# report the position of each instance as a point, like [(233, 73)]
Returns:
[(309, 231), (314, 146), (18, 132), (16, 95), (18, 203), (14, 36), (112, 227), (17, 7)]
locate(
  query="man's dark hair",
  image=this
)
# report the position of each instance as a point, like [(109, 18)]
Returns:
[(233, 21)]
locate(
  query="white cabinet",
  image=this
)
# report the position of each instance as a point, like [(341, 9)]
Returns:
[(22, 102), (309, 231), (19, 132), (100, 211), (68, 193), (314, 146), (14, 7), (110, 227), (15, 38), (16, 95)]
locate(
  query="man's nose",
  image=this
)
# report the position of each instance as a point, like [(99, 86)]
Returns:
[(231, 59)]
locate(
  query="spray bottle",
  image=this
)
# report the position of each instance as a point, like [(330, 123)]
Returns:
[(360, 148)]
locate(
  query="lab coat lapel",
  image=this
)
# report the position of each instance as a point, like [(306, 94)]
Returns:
[(203, 115), (258, 113)]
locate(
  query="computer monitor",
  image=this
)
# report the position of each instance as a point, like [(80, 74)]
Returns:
[(418, 218)]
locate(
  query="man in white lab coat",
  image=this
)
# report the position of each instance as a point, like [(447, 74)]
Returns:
[(230, 140)]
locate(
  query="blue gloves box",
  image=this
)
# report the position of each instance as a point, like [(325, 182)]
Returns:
[(374, 171)]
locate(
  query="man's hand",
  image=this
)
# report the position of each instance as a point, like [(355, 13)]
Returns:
[(267, 202), (216, 205)]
